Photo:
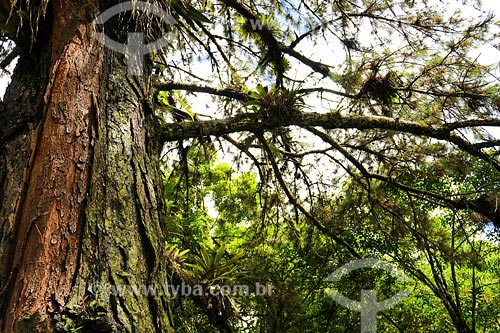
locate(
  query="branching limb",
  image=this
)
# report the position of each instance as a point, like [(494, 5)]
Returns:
[(10, 57), (294, 201), (266, 36), (259, 122), (227, 92)]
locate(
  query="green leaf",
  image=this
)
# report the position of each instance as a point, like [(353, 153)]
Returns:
[(163, 97), (197, 16), (220, 254), (253, 102), (262, 90)]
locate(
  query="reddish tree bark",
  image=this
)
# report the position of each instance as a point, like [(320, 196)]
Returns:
[(78, 131)]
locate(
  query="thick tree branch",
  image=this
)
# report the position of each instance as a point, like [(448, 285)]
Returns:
[(266, 36), (253, 122), (227, 92), (333, 120)]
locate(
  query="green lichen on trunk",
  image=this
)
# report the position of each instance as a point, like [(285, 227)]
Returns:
[(123, 238)]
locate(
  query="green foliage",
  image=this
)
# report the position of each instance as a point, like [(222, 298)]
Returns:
[(280, 101), (388, 176), (188, 12), (210, 269), (437, 248), (169, 98), (163, 97)]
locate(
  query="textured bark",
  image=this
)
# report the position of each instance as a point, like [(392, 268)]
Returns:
[(45, 226), (258, 122), (123, 240), (80, 200), (19, 117)]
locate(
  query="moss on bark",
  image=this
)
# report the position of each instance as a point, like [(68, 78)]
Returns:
[(123, 239)]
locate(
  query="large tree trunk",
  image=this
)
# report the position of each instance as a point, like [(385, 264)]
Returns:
[(80, 202)]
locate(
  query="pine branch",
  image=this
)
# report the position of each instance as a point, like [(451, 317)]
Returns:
[(227, 92)]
